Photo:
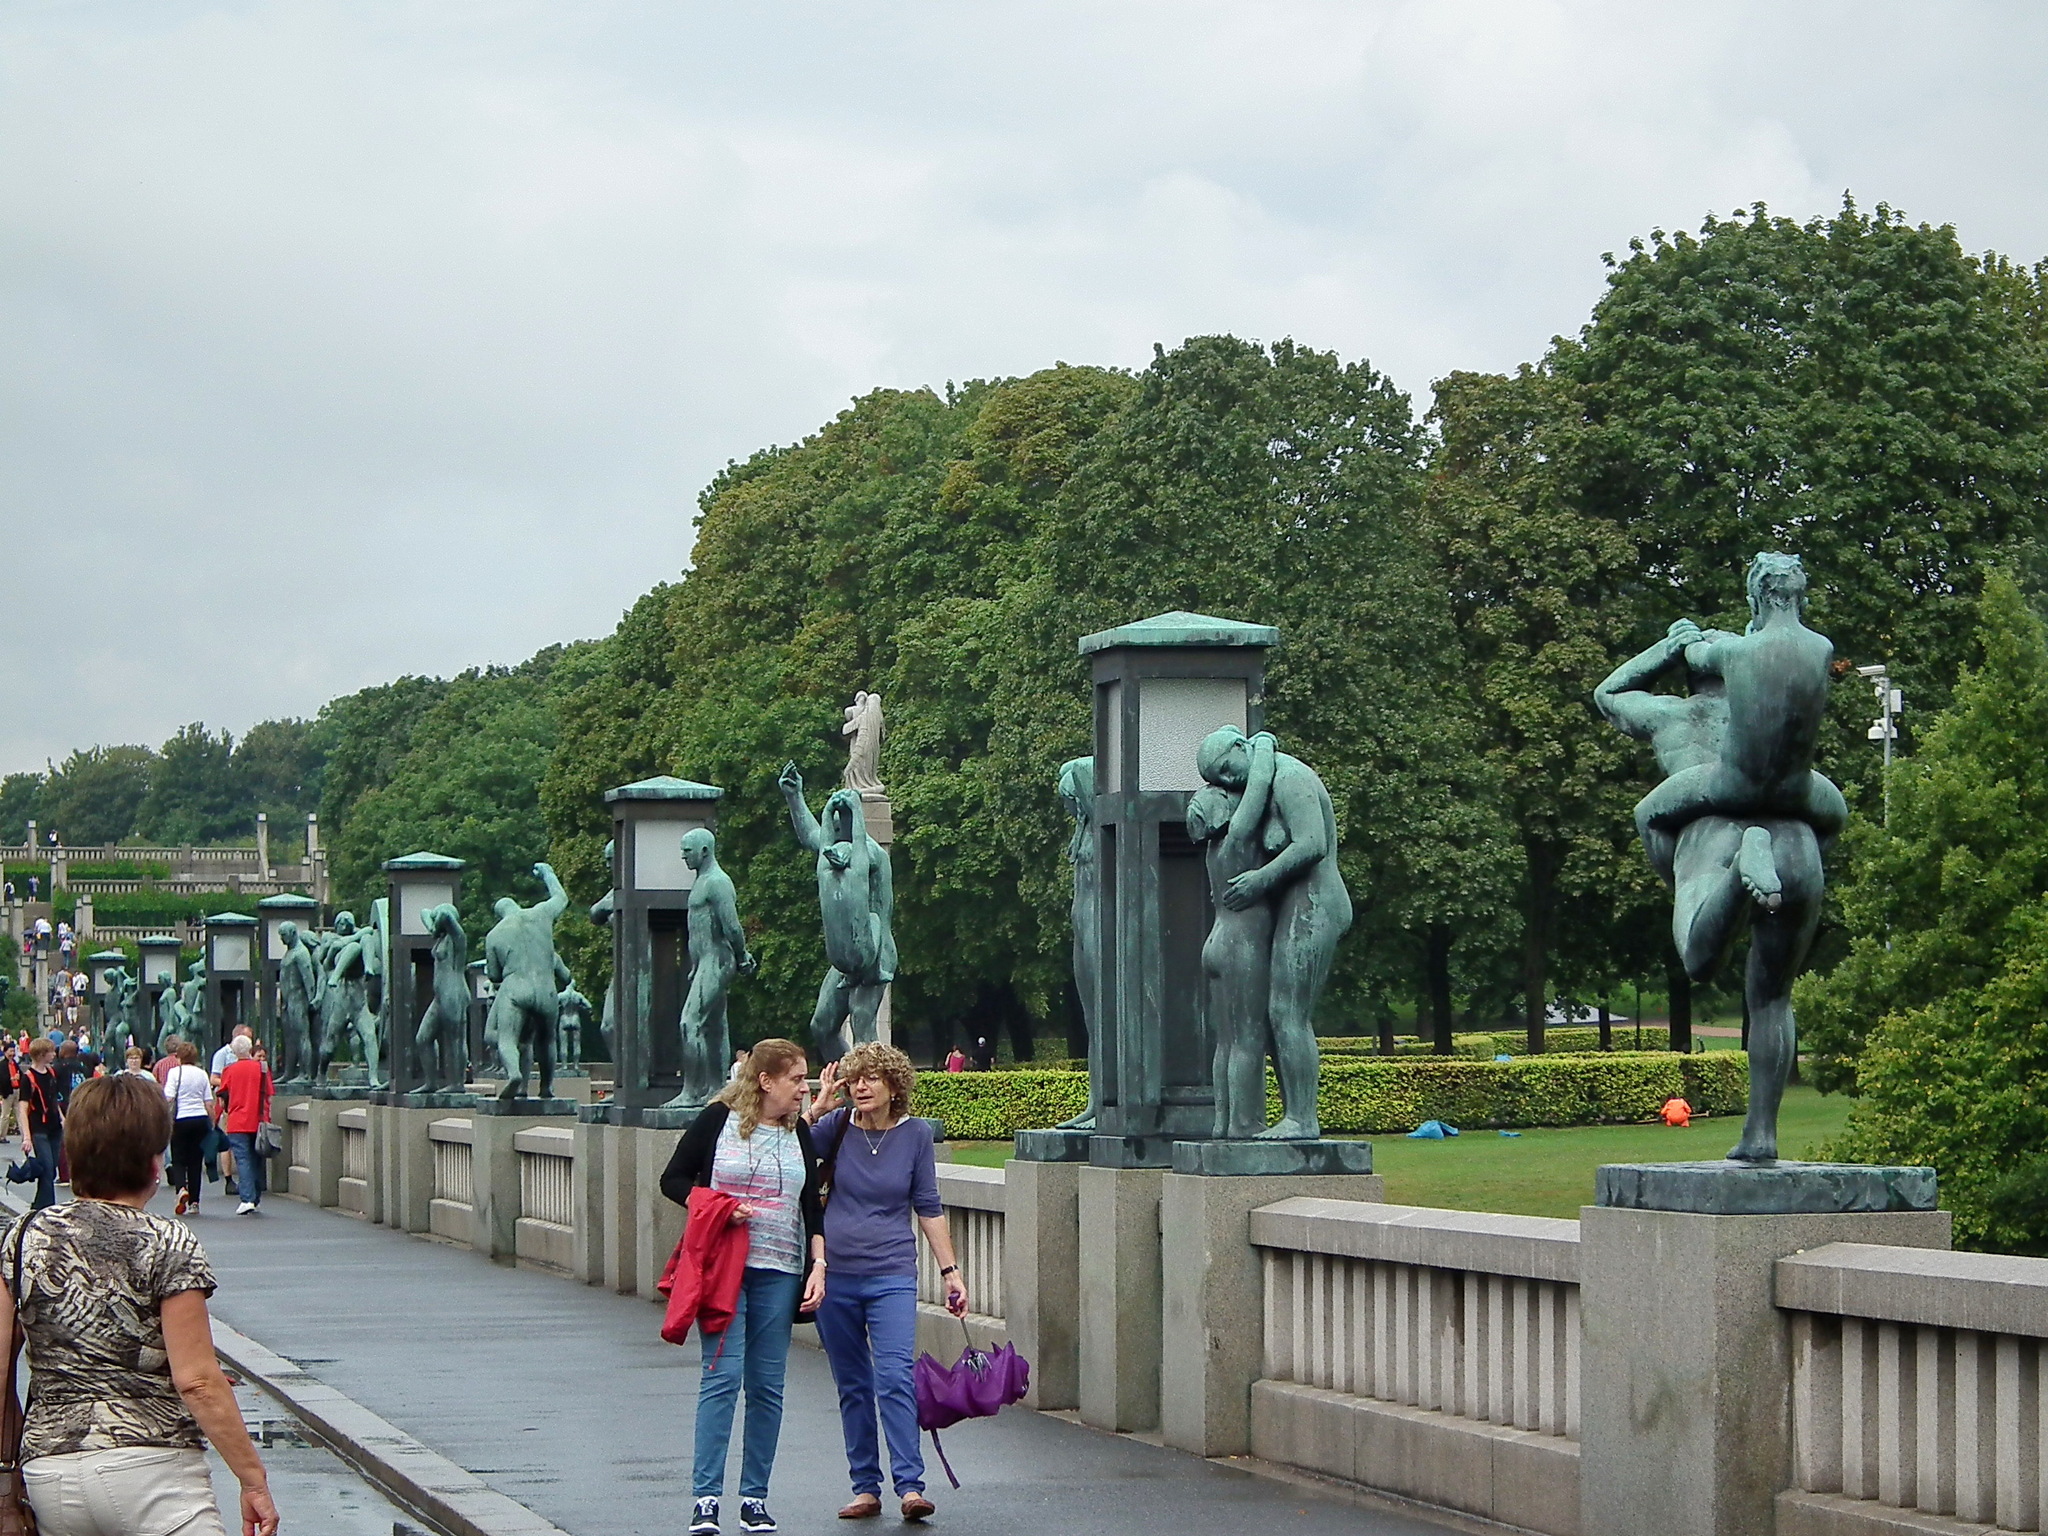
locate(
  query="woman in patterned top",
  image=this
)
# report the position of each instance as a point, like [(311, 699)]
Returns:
[(752, 1144), (124, 1389)]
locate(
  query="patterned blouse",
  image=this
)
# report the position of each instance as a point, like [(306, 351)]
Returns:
[(94, 1279), (766, 1170)]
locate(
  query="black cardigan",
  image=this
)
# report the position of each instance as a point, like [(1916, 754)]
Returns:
[(689, 1167)]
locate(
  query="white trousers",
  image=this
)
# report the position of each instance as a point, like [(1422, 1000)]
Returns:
[(141, 1490)]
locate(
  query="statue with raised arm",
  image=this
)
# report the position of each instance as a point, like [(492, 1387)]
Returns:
[(442, 1039), (856, 899), (1296, 875), (1741, 835), (718, 952), (1237, 955), (299, 995), (520, 961), (863, 730), (1077, 794)]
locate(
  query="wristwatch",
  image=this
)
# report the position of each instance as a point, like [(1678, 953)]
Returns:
[(950, 1269)]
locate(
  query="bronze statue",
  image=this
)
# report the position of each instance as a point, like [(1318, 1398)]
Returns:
[(442, 1040), (1237, 955), (300, 991), (718, 952), (520, 961), (1077, 794), (856, 898)]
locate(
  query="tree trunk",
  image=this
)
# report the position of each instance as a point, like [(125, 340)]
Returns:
[(1386, 1022), (1681, 1002), (1606, 1027), (1438, 967), (1536, 943)]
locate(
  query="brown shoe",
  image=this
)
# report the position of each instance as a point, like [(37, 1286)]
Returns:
[(916, 1506), (865, 1506)]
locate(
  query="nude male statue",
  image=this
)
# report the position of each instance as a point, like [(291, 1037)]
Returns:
[(718, 952), (350, 962), (1735, 868), (1077, 794), (520, 961), (299, 994), (856, 898), (442, 1039)]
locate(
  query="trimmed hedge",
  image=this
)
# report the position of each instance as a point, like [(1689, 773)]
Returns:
[(1377, 1095), (1485, 1046)]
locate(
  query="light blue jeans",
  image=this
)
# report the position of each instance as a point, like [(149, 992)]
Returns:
[(754, 1350), (868, 1325)]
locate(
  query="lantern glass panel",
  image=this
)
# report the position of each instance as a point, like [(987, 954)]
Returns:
[(1174, 714), (159, 967), (230, 952), (273, 945), (1110, 697), (658, 856), (415, 898)]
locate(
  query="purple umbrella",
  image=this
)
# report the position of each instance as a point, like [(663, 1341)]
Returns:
[(976, 1386)]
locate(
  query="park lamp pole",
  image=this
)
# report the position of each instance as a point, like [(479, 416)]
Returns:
[(1891, 704)]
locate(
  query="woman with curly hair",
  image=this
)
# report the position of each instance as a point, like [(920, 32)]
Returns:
[(752, 1144), (883, 1172)]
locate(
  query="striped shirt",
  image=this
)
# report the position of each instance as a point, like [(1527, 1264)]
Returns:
[(766, 1170)]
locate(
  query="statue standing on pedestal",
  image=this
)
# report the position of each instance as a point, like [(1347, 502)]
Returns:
[(572, 1019), (718, 952), (349, 961), (1296, 876), (1237, 955), (520, 960), (442, 1040), (191, 1009), (857, 900), (863, 730), (1077, 794), (299, 993), (121, 990), (1740, 822), (601, 912)]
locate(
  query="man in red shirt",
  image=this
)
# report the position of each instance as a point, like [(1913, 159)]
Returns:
[(166, 1058), (245, 1092)]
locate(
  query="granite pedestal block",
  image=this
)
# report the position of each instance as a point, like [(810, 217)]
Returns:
[(1763, 1189), (434, 1099), (409, 1205), (525, 1109), (1274, 1159), (358, 1093), (1120, 1296), (667, 1117), (1053, 1146), (1686, 1362), (1042, 1273), (596, 1114), (1154, 1152), (1213, 1291)]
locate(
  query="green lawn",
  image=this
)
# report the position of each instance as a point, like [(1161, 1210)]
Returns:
[(1545, 1172)]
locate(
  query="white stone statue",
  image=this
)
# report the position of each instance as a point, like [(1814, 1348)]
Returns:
[(864, 748)]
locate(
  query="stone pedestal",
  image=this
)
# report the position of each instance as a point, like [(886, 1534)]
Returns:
[(1120, 1296), (587, 1262), (1213, 1287), (656, 1222), (1053, 1146), (1763, 1189), (323, 1150), (1042, 1276), (494, 1179), (1686, 1362), (619, 1180), (1275, 1159), (524, 1108), (409, 1201)]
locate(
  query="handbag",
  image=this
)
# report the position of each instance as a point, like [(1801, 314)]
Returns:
[(17, 1516), (269, 1140)]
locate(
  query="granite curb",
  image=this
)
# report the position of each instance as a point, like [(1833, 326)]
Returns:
[(451, 1499)]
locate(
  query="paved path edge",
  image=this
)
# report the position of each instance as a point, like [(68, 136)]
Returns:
[(452, 1499)]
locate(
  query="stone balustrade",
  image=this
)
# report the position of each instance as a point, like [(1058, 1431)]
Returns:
[(1919, 1382), (546, 1230), (356, 1196), (1433, 1354), (452, 1205), (974, 1199)]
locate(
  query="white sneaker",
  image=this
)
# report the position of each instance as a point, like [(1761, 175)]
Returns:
[(245, 1207)]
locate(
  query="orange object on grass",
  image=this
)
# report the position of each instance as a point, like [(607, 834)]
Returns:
[(1676, 1112)]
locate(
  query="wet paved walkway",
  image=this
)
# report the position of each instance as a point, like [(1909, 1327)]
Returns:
[(563, 1397)]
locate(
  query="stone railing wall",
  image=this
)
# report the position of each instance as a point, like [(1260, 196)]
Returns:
[(452, 1204), (1920, 1382), (355, 1193), (546, 1230), (1434, 1354)]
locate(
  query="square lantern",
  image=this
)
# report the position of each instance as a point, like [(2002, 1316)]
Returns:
[(1160, 686), (231, 971), (419, 883), (272, 913), (650, 944), (159, 974), (101, 965)]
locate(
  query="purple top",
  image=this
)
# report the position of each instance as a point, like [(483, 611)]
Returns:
[(878, 1181)]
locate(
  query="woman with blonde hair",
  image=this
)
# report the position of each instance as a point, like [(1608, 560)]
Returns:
[(884, 1171), (124, 1390), (752, 1144)]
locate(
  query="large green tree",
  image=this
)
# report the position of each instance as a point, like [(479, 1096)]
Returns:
[(1948, 961), (193, 794), (97, 795)]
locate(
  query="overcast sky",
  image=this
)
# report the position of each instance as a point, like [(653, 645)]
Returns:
[(347, 340)]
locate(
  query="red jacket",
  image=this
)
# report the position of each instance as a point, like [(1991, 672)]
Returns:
[(702, 1280)]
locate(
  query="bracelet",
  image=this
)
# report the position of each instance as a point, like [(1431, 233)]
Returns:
[(950, 1269)]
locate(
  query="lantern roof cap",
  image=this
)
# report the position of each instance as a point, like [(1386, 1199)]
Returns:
[(439, 863), (230, 920), (1180, 628), (663, 787), (286, 902)]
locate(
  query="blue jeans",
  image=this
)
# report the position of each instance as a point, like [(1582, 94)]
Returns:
[(868, 1324), (48, 1146), (249, 1169), (755, 1348)]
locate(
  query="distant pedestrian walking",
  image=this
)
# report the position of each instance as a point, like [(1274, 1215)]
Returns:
[(956, 1060), (751, 1147), (189, 1092), (884, 1173), (245, 1092), (42, 1119), (112, 1302)]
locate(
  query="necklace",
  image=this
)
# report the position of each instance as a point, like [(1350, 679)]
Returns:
[(875, 1142)]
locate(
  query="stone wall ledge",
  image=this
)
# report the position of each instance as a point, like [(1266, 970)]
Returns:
[(1985, 1292), (548, 1140), (1829, 1514), (1530, 1247), (972, 1188)]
